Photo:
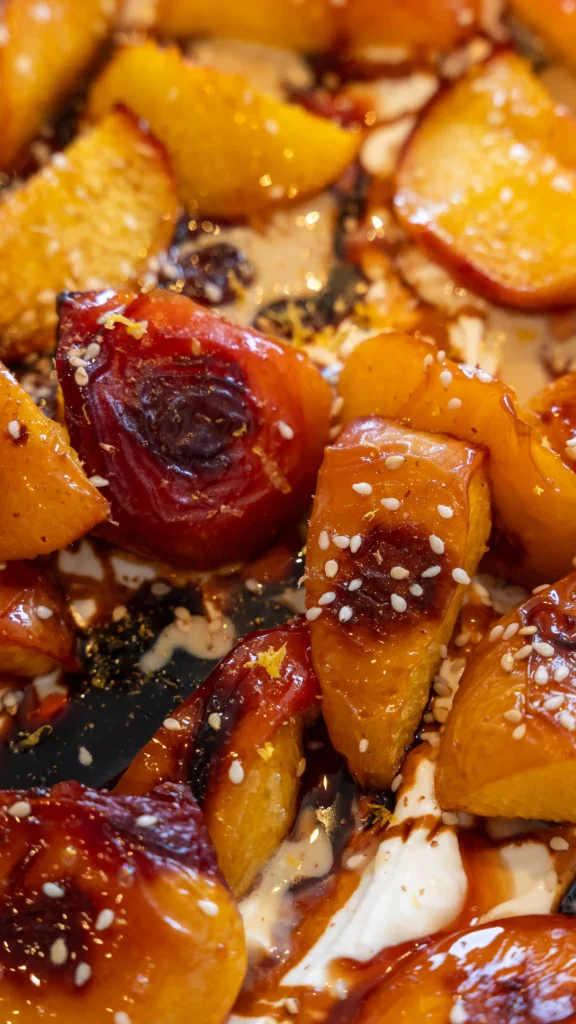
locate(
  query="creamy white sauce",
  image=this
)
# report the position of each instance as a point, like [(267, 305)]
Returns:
[(82, 562), (131, 573), (83, 611), (49, 683), (393, 97), (530, 868), (195, 635), (409, 890), (381, 149)]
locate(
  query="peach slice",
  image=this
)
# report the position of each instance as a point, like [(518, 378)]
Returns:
[(50, 502), (552, 413), (112, 908), (290, 24), (421, 27), (514, 970), (91, 218), (533, 491), (47, 46), (399, 524), (554, 20), (36, 630), (234, 152), (487, 185), (509, 745)]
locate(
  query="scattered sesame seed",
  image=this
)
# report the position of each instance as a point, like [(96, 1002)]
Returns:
[(454, 403), (541, 676), (519, 732), (495, 633), (484, 377), (146, 820), (355, 543), (215, 721), (58, 952), (337, 406), (323, 540), (327, 597), (43, 612), (398, 603), (463, 638), (428, 360), (285, 430), (82, 974), (446, 378), (567, 720), (553, 703), (236, 773), (513, 715), (363, 746), (331, 568), (172, 724), (14, 429), (571, 443), (357, 860), (20, 809), (528, 631), (416, 590), (362, 488), (544, 649), (104, 920), (291, 1004), (345, 613), (460, 576), (85, 757), (436, 544), (354, 585), (538, 590), (98, 481), (398, 572), (559, 843), (449, 818), (428, 574), (313, 613), (458, 1014), (561, 673), (92, 351), (392, 504), (441, 687), (507, 662), (445, 511), (208, 907), (52, 890), (394, 461), (443, 651), (440, 355), (122, 1018), (341, 541), (510, 630), (81, 377), (523, 652), (433, 738)]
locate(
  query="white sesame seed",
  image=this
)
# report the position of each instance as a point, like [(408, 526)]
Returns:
[(441, 687), (428, 574), (327, 597), (354, 585), (559, 843), (567, 720), (396, 782), (104, 920), (331, 568), (208, 907), (523, 652), (561, 673), (443, 651), (356, 861), (398, 572), (81, 377), (553, 703), (362, 488), (571, 442), (52, 890), (215, 721), (445, 511), (20, 809), (460, 576), (59, 952), (513, 715), (436, 544), (541, 676), (285, 430), (341, 541), (458, 1014), (172, 724), (146, 820), (440, 355), (92, 351), (82, 974), (398, 603), (392, 504), (355, 543), (313, 613), (236, 773), (484, 377), (463, 638), (433, 738), (43, 612), (416, 590), (394, 461), (323, 540), (544, 649), (122, 1018), (449, 818), (454, 403), (85, 757), (345, 613), (446, 378), (363, 746), (291, 1004), (538, 590), (495, 633), (337, 406), (510, 630), (428, 360), (507, 662), (528, 631), (14, 429), (519, 732)]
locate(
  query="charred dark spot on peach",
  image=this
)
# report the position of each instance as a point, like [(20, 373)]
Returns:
[(554, 625), (192, 414), (31, 924)]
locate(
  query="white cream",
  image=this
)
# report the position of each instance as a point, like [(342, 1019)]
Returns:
[(195, 635), (410, 889), (130, 572), (530, 868), (82, 562)]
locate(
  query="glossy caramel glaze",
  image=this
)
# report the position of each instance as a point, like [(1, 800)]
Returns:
[(36, 629)]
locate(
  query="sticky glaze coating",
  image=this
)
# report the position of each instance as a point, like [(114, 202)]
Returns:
[(36, 629), (209, 435)]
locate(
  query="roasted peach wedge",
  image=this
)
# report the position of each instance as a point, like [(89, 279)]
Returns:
[(46, 49), (99, 889), (514, 970), (36, 630), (420, 27), (487, 183), (399, 524), (509, 745), (50, 501), (552, 414), (554, 21), (289, 24), (92, 217), (239, 741), (222, 426), (234, 152), (533, 490)]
